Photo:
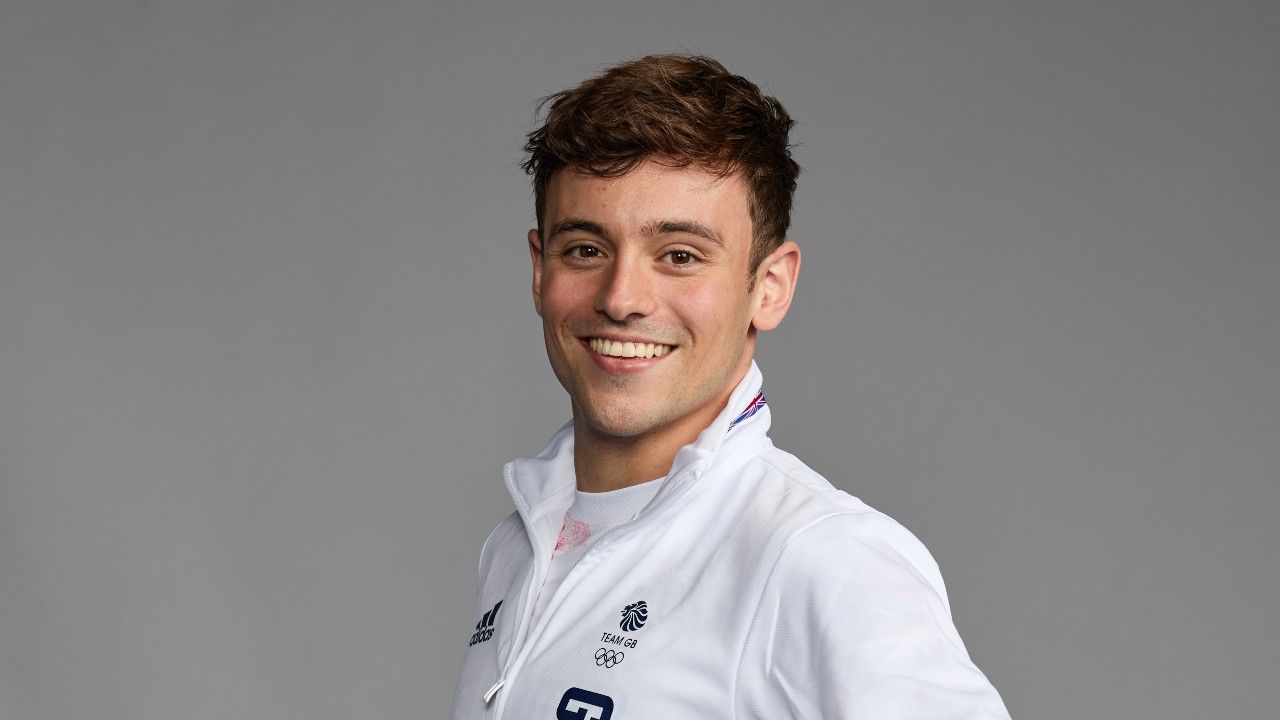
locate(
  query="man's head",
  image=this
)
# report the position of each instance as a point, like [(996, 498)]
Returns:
[(686, 110), (663, 190)]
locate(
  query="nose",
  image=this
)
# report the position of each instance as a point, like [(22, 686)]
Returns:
[(626, 290)]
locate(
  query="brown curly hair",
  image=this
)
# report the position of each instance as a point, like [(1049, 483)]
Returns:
[(685, 109)]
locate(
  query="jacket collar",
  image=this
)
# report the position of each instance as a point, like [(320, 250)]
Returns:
[(542, 486)]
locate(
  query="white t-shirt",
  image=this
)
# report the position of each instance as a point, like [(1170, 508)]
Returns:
[(590, 516)]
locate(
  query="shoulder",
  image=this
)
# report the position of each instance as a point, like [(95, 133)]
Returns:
[(861, 560), (860, 542), (829, 538), (853, 618), (782, 472), (854, 622)]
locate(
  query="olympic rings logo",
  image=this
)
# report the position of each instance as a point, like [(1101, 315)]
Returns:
[(608, 658)]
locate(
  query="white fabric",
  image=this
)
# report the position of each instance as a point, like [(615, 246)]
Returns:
[(769, 594), (591, 516)]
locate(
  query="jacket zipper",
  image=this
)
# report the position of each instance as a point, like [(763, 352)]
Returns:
[(536, 579)]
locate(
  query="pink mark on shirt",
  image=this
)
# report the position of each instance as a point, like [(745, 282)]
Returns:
[(572, 534)]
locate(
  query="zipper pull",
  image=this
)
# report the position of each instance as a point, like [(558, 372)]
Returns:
[(493, 690)]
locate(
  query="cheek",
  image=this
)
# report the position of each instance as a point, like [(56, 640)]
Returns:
[(561, 296), (713, 309)]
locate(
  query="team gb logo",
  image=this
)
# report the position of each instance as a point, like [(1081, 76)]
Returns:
[(634, 616)]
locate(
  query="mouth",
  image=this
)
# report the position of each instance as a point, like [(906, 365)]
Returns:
[(627, 348)]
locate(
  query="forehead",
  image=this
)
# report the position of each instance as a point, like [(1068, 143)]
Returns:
[(652, 192)]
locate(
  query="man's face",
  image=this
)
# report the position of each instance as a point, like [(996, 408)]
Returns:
[(658, 257)]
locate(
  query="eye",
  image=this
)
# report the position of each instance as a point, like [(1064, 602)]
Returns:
[(583, 252), (681, 257)]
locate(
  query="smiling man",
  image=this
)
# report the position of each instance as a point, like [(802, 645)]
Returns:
[(665, 559)]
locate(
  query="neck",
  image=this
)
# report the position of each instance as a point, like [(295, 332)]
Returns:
[(605, 462)]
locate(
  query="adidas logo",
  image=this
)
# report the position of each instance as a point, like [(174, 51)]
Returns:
[(484, 628)]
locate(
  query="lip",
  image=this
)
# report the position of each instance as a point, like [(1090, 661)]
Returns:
[(619, 365)]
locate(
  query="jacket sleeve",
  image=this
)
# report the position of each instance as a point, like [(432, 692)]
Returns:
[(854, 623)]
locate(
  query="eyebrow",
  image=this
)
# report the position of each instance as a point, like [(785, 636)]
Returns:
[(688, 227), (575, 223)]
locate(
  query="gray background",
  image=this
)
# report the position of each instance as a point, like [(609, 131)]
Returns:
[(266, 337)]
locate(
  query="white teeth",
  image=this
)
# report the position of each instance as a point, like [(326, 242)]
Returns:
[(615, 348)]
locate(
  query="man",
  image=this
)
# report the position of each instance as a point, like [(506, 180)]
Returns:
[(665, 559)]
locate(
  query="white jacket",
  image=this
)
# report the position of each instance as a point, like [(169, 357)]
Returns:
[(749, 587)]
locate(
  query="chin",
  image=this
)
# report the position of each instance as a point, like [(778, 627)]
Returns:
[(617, 421)]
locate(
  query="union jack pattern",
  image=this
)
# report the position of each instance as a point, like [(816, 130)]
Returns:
[(752, 408)]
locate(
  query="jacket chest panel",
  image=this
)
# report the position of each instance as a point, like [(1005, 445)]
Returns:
[(652, 643)]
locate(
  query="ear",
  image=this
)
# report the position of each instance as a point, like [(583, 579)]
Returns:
[(535, 253), (776, 286)]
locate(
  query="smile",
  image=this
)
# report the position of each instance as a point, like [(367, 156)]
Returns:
[(615, 348)]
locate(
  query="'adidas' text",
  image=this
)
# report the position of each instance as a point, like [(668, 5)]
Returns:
[(484, 628)]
